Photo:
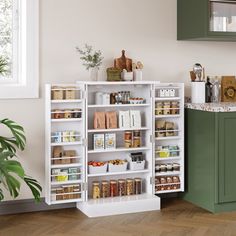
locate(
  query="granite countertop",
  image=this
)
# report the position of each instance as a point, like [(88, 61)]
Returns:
[(212, 107)]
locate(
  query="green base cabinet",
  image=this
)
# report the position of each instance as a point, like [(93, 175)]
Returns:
[(194, 20), (211, 160)]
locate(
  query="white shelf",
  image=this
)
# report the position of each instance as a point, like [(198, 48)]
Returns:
[(168, 99), (66, 182), (167, 116), (115, 130), (167, 158), (119, 105), (66, 120), (66, 201), (167, 138), (118, 150), (66, 144), (66, 165), (67, 101), (171, 173), (169, 191), (119, 173)]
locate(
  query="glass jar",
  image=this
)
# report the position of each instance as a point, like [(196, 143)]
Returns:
[(104, 189), (137, 142), (113, 188), (137, 186), (129, 187), (96, 190), (159, 109), (174, 108), (128, 139), (121, 187), (166, 108)]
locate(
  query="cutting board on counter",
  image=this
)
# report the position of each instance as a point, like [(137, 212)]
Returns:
[(123, 62), (228, 89)]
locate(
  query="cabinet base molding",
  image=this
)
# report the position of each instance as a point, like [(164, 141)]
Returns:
[(120, 205), (29, 205)]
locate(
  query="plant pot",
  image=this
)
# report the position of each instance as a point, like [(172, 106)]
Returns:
[(94, 73)]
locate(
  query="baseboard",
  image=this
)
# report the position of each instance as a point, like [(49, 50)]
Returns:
[(23, 206)]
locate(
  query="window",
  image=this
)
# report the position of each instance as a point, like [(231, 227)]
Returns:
[(19, 45)]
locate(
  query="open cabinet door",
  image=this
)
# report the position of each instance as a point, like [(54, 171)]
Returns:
[(65, 143)]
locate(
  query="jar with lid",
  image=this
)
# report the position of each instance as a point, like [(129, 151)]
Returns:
[(121, 187), (137, 186), (174, 108), (129, 187), (128, 139), (104, 189), (137, 142), (159, 109), (166, 108), (113, 188), (96, 190)]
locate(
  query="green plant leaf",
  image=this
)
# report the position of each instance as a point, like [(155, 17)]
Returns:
[(18, 140), (34, 186), (1, 195)]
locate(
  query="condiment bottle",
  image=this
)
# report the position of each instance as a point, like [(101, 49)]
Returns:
[(216, 91), (208, 91)]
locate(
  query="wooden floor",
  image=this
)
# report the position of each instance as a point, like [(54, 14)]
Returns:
[(176, 218)]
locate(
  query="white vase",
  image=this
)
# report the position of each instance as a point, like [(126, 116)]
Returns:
[(94, 73)]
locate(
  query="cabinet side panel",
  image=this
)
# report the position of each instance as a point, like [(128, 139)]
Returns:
[(200, 158), (227, 157), (192, 19)]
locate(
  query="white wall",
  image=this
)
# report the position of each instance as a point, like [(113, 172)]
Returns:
[(145, 28)]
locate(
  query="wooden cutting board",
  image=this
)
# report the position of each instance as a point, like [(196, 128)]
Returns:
[(228, 89), (123, 62)]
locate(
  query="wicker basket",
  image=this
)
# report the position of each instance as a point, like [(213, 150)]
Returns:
[(113, 74)]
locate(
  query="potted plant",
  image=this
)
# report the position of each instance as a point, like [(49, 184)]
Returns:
[(92, 60), (11, 171), (3, 66)]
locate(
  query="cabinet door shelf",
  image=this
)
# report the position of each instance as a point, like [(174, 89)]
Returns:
[(171, 173), (128, 172), (66, 144), (53, 183), (167, 116), (66, 120), (67, 101), (116, 130), (66, 165), (167, 158), (168, 138), (67, 201), (118, 150), (167, 99), (119, 105), (169, 191)]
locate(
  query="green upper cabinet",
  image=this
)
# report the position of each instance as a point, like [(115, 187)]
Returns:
[(209, 20)]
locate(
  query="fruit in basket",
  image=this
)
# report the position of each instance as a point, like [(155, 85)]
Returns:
[(96, 163), (117, 162)]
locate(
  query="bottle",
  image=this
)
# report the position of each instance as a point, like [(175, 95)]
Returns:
[(216, 91), (208, 91)]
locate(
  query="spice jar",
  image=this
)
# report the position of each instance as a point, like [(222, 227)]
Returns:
[(113, 98), (137, 186), (166, 108), (159, 109), (104, 189), (174, 108), (128, 139), (96, 190), (113, 188), (121, 187), (137, 133), (129, 187), (77, 113), (68, 114), (137, 142), (57, 114)]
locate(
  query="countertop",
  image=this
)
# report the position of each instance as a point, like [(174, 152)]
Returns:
[(212, 107)]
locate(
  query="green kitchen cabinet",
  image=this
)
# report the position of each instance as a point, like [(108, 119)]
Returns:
[(211, 159), (206, 20)]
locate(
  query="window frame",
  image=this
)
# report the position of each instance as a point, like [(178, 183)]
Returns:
[(25, 81)]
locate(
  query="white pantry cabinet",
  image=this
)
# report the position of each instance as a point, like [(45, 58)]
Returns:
[(70, 135)]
